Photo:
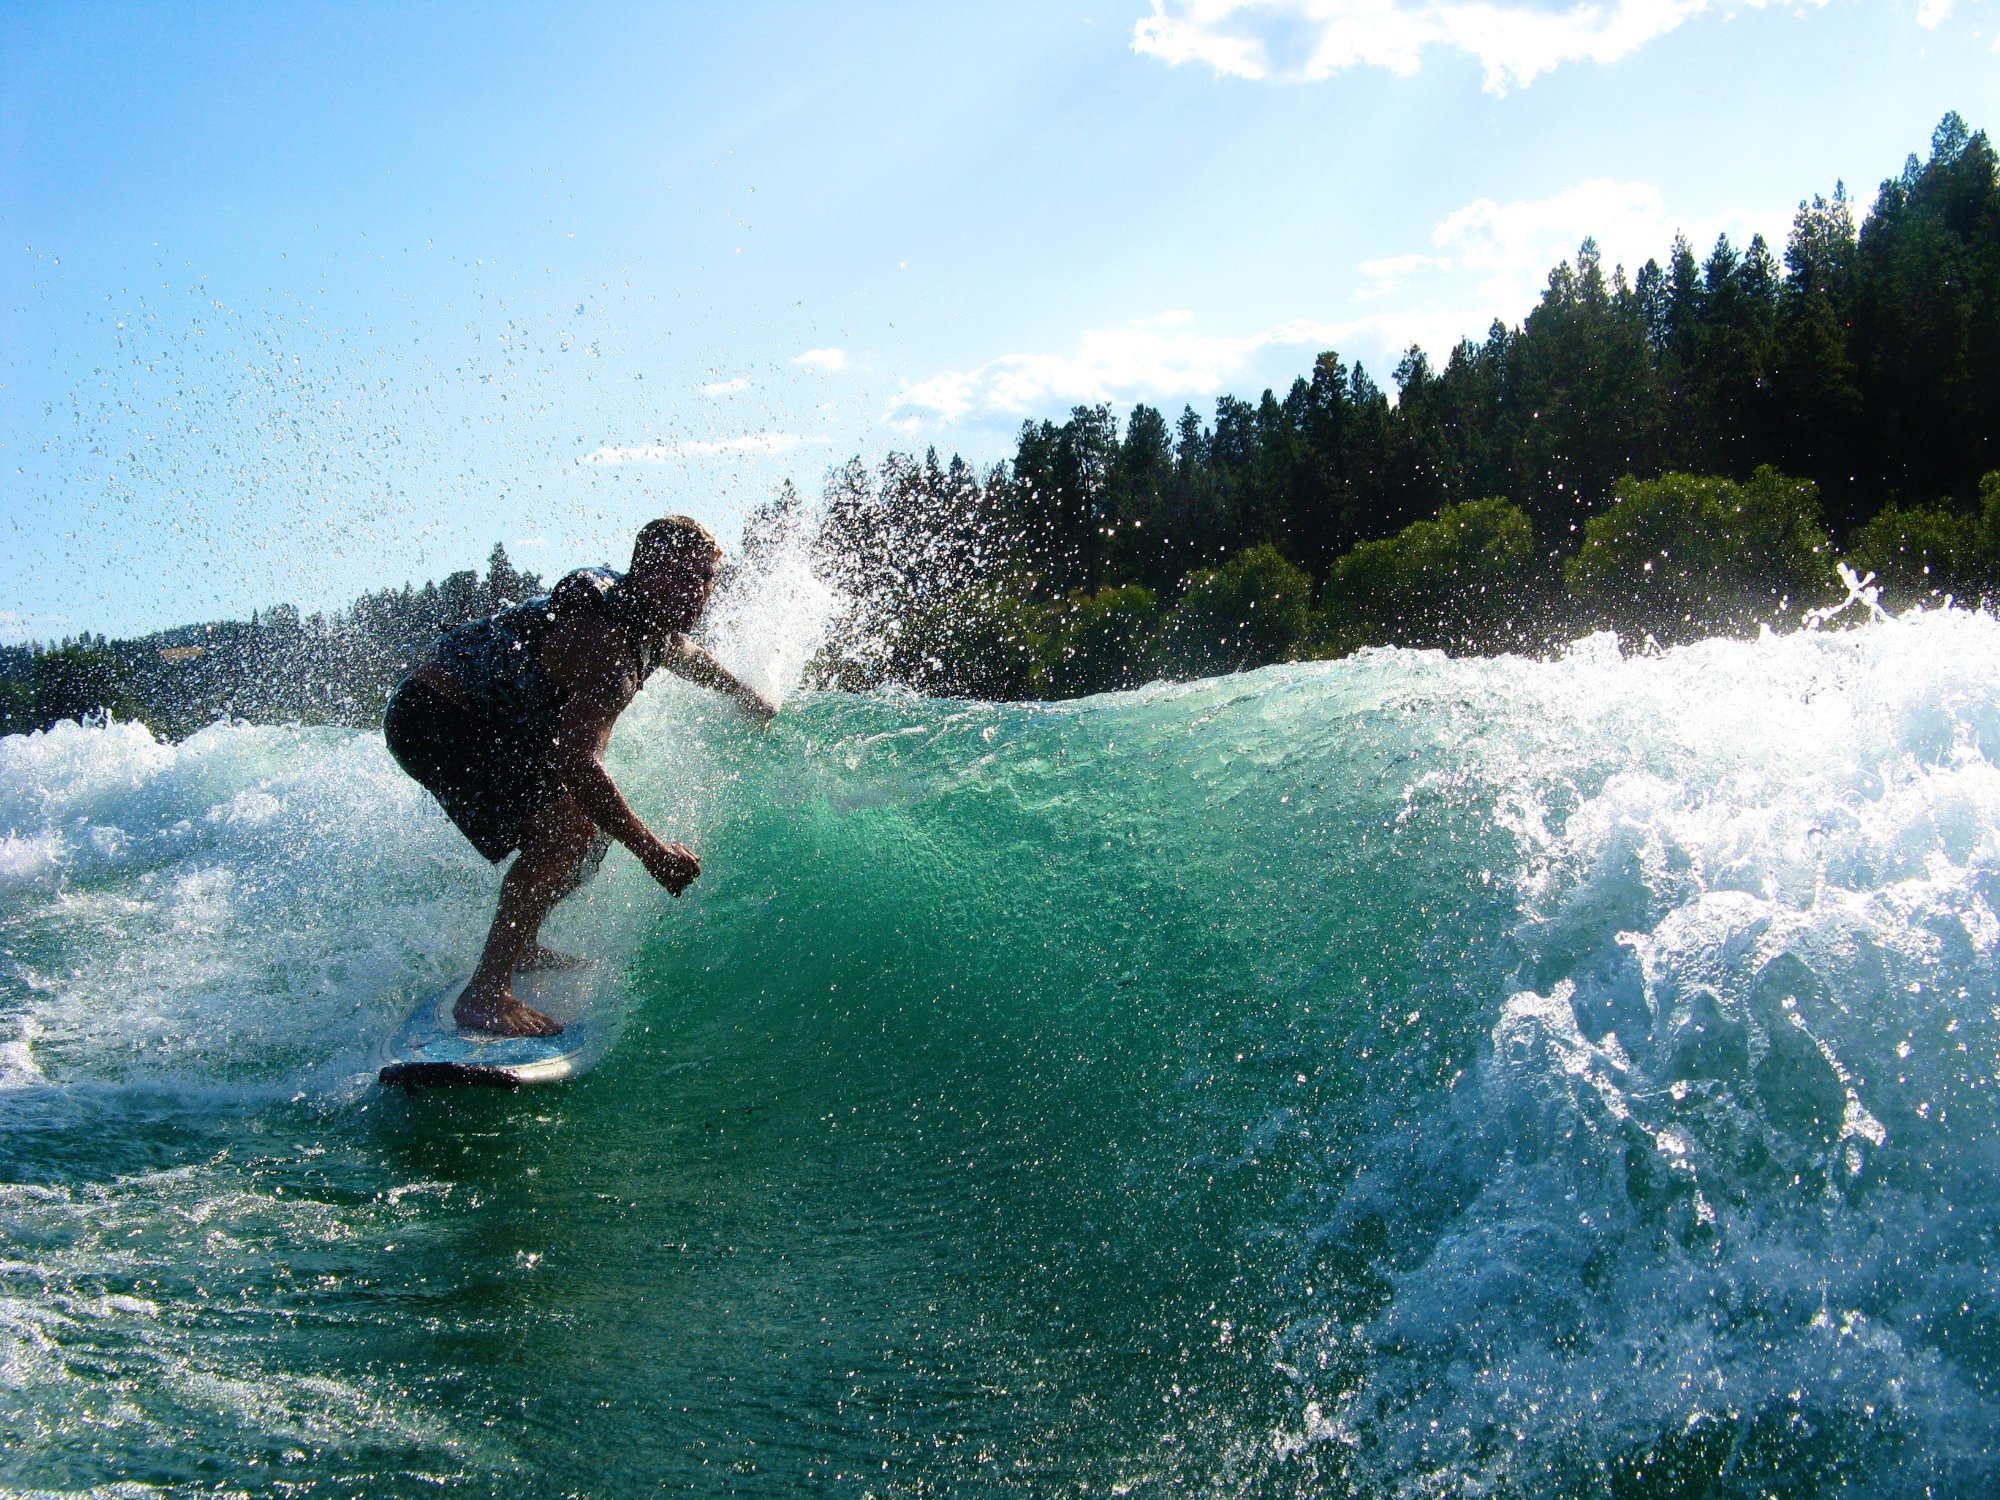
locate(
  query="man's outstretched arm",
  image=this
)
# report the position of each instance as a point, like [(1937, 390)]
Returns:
[(689, 661), (587, 716)]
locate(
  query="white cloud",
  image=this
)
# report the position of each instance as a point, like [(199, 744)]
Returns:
[(1515, 41), (1161, 358), (1389, 273), (660, 453), (1486, 260), (1933, 13), (1496, 256), (822, 359), (725, 387)]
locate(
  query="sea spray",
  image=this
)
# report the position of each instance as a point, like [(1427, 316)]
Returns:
[(773, 612), (1395, 1075), (1716, 1202)]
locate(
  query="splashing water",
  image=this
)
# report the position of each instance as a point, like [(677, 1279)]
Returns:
[(1861, 590), (773, 615), (1392, 1076)]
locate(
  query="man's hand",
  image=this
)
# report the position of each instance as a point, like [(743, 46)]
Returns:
[(673, 865)]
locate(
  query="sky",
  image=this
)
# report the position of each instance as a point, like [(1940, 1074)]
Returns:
[(302, 300)]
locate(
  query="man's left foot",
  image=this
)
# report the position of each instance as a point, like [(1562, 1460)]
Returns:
[(497, 1011), (552, 960)]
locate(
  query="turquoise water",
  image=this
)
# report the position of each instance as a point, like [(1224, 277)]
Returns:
[(1398, 1076)]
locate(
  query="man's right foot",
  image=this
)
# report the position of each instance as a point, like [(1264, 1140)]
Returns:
[(501, 1014)]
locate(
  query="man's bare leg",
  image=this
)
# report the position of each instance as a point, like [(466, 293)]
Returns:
[(545, 871), (543, 959), (539, 957)]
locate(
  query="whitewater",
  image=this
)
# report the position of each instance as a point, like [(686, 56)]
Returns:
[(1399, 1076)]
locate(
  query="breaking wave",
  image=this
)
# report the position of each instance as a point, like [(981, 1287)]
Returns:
[(1401, 1075)]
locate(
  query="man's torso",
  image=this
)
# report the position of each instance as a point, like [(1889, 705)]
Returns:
[(514, 666)]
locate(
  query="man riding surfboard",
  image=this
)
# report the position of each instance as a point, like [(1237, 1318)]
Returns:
[(506, 726)]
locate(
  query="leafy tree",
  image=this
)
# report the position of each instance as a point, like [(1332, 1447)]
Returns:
[(1192, 512), (1928, 550), (983, 643), (1682, 555), (1256, 608), (1988, 542), (1733, 354), (18, 714), (772, 526), (1141, 500), (1062, 479), (461, 598), (1096, 643), (1922, 551), (1451, 582), (504, 584), (1815, 400), (1926, 313), (80, 680), (1583, 377)]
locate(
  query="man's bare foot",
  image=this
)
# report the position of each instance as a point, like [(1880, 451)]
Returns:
[(499, 1012), (543, 958)]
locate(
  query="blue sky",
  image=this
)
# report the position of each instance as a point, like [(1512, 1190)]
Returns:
[(297, 300)]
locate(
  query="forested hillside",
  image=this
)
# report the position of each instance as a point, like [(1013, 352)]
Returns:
[(275, 668), (1843, 397)]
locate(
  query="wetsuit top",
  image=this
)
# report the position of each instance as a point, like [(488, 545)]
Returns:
[(498, 660)]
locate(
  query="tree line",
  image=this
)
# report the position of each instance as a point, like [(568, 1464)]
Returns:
[(277, 667), (1679, 451), (1684, 450)]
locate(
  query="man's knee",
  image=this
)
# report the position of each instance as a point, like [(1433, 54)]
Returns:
[(562, 828), (587, 864)]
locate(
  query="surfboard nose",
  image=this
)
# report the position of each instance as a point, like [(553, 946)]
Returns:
[(418, 1075)]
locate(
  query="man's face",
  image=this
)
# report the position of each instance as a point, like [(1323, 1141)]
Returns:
[(675, 593)]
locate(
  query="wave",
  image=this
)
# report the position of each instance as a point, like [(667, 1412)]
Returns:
[(1429, 1076)]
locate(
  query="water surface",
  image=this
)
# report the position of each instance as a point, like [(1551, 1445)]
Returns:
[(1399, 1076)]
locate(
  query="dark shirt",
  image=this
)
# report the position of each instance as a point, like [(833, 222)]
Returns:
[(497, 661)]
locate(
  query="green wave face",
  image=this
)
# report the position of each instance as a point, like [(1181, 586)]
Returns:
[(1390, 1076)]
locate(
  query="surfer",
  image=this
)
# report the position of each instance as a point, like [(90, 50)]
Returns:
[(506, 726)]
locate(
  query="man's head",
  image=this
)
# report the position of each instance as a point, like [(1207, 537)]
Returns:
[(673, 570)]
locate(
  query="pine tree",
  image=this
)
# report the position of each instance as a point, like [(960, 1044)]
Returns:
[(503, 584)]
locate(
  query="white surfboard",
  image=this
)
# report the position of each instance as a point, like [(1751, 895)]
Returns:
[(432, 1049)]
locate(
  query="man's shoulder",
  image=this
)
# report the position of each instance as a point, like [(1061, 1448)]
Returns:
[(588, 588)]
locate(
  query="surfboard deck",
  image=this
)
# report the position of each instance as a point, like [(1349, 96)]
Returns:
[(433, 1051)]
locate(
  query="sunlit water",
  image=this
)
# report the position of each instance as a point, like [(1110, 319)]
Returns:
[(1393, 1076)]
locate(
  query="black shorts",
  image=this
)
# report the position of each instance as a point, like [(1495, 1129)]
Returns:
[(488, 781)]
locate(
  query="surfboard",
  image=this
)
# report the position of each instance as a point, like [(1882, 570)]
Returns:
[(433, 1050)]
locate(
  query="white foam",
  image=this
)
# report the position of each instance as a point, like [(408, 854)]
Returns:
[(246, 908), (255, 908), (1728, 1157), (173, 1230)]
